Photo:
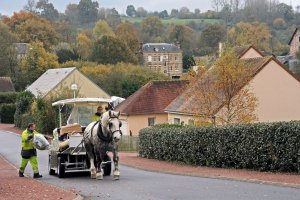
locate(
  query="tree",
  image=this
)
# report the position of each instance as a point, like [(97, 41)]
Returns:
[(87, 11), (174, 13), (183, 35), (72, 13), (285, 11), (221, 94), (47, 10), (102, 28), (30, 6), (31, 28), (128, 34), (141, 12), (257, 34), (130, 11), (121, 79), (37, 61), (83, 46), (211, 36), (152, 27), (113, 18), (163, 14), (111, 50), (279, 23), (8, 56)]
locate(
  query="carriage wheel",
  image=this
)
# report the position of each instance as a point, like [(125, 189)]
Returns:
[(50, 170), (60, 167), (107, 166)]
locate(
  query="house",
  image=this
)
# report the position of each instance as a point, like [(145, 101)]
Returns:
[(146, 106), (163, 58), (6, 85), (21, 50), (69, 81), (248, 51), (295, 42), (276, 88)]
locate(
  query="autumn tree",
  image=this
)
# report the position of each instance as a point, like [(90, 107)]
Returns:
[(257, 34), (183, 35), (128, 34), (113, 18), (83, 46), (8, 56), (102, 28), (152, 28), (121, 79), (87, 11), (47, 10), (111, 50), (37, 61), (31, 28), (222, 93)]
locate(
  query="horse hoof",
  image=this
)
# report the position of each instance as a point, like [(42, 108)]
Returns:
[(116, 177), (99, 176)]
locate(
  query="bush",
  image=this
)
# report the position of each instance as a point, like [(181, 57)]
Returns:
[(7, 112), (8, 97), (263, 146), (23, 105)]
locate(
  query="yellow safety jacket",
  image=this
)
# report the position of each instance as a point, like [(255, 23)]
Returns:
[(96, 117), (28, 144)]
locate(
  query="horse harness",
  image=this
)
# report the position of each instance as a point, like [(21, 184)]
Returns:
[(108, 138)]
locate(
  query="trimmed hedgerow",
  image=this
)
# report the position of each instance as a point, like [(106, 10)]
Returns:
[(7, 111), (8, 97), (262, 146)]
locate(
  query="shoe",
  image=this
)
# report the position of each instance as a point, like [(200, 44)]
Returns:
[(37, 175), (21, 174)]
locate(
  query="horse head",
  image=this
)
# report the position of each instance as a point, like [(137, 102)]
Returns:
[(111, 123)]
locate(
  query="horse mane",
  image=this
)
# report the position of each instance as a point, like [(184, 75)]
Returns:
[(105, 119)]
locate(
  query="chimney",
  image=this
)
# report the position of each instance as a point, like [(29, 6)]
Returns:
[(141, 48), (220, 49)]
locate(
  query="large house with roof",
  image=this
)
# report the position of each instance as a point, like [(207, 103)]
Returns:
[(146, 106), (67, 81), (6, 85), (163, 58), (276, 88)]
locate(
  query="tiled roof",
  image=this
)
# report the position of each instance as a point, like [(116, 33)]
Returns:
[(160, 48), (6, 85), (152, 98), (185, 103), (49, 80), (241, 50)]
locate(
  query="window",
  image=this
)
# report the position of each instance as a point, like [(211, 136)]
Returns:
[(151, 121), (176, 121), (149, 58)]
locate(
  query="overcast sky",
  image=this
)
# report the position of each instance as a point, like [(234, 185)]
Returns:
[(7, 7)]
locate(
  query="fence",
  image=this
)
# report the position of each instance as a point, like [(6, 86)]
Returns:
[(129, 143)]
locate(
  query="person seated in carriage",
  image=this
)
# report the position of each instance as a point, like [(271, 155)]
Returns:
[(97, 116)]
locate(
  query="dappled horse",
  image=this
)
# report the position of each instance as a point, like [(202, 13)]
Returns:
[(98, 143)]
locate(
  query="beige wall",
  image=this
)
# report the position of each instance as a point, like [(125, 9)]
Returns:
[(251, 53), (278, 94), (183, 118), (295, 44), (86, 88), (138, 122)]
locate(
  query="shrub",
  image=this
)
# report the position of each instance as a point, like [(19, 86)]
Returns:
[(23, 105), (263, 146), (7, 112), (8, 97)]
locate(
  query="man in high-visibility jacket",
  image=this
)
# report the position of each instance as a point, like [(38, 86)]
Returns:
[(97, 116), (28, 152)]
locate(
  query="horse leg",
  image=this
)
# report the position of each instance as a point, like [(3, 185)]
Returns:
[(99, 174), (116, 162), (90, 153)]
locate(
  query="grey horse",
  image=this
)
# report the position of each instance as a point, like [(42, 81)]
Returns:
[(98, 143)]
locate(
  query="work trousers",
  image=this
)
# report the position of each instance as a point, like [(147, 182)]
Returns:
[(33, 162)]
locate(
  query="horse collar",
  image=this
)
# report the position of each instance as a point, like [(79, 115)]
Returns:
[(101, 136)]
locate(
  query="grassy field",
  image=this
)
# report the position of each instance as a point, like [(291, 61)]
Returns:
[(173, 21)]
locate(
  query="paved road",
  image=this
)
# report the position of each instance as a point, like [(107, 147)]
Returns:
[(142, 185)]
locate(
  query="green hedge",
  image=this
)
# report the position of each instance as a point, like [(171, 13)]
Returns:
[(8, 97), (263, 146), (7, 112)]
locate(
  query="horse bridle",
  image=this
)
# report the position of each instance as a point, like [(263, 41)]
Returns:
[(112, 132)]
